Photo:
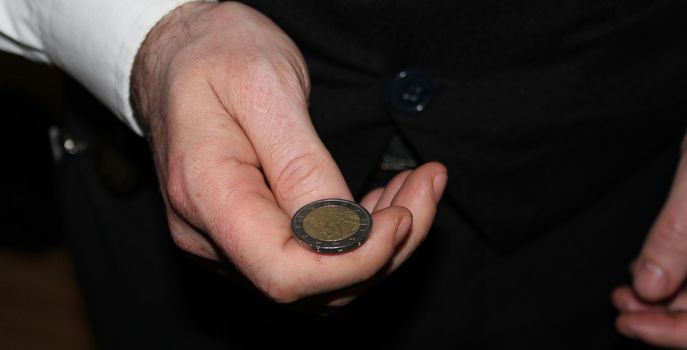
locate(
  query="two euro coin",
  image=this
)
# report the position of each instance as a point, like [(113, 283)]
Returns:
[(332, 225)]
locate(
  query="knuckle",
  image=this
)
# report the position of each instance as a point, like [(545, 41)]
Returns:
[(182, 241), (300, 176), (194, 244), (189, 240), (174, 189), (184, 177)]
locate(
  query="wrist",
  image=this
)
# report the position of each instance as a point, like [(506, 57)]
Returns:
[(154, 57)]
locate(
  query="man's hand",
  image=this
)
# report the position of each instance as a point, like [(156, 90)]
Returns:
[(222, 93), (655, 309)]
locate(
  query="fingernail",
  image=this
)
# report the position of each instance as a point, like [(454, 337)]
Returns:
[(439, 184), (403, 228), (650, 280)]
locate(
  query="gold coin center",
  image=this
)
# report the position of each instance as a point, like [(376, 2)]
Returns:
[(331, 223)]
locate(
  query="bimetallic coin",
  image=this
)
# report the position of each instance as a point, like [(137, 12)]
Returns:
[(332, 225)]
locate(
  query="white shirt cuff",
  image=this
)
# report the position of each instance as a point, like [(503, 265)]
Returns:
[(95, 41)]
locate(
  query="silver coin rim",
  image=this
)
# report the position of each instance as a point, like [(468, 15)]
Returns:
[(332, 247)]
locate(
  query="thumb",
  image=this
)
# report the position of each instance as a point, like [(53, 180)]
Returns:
[(662, 264), (297, 165)]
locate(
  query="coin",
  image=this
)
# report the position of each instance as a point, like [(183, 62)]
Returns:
[(332, 225)]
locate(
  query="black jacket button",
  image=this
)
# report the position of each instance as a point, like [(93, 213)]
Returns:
[(410, 91)]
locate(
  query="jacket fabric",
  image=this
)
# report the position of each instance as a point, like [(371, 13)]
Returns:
[(560, 124)]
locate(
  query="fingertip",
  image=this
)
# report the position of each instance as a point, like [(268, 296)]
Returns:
[(439, 185), (372, 198), (640, 325), (384, 225), (402, 220), (658, 328), (438, 174), (650, 280), (625, 300), (618, 296), (624, 326), (389, 226), (404, 225), (662, 265), (436, 167)]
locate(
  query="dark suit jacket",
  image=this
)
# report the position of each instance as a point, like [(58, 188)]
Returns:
[(559, 122)]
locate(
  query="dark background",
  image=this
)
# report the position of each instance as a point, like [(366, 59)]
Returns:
[(40, 303)]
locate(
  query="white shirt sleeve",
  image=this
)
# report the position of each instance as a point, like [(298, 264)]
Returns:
[(93, 40)]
